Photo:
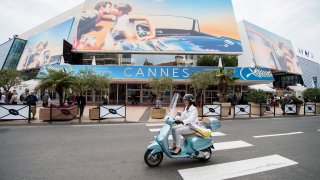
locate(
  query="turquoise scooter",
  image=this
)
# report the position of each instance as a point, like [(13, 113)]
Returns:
[(195, 146)]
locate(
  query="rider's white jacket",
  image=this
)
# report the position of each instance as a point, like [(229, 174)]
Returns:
[(190, 116)]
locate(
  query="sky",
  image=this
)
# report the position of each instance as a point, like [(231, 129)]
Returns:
[(296, 20)]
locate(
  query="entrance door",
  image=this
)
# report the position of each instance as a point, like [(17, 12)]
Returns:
[(134, 94)]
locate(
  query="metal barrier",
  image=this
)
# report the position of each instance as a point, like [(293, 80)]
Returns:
[(15, 112), (265, 109), (242, 110), (290, 109), (211, 110), (310, 108), (112, 111)]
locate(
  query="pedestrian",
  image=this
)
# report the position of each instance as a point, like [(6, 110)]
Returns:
[(45, 99), (159, 103), (14, 98), (2, 98), (81, 101), (31, 100), (9, 96), (105, 99), (24, 95)]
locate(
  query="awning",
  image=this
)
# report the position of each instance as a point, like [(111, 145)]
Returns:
[(263, 87), (297, 88)]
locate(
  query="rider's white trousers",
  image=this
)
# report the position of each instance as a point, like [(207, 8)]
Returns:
[(179, 130)]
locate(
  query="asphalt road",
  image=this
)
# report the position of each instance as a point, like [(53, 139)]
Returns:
[(116, 151)]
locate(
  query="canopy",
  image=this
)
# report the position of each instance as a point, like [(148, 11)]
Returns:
[(298, 88), (263, 87)]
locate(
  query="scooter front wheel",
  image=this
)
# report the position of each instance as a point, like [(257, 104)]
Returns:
[(153, 160), (207, 154)]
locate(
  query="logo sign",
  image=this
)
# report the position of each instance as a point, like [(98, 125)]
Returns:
[(211, 110), (290, 109), (310, 108), (14, 112), (255, 74), (112, 111), (242, 110)]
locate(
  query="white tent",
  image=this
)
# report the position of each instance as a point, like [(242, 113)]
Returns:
[(263, 87)]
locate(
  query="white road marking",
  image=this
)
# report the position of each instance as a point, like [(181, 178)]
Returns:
[(318, 129), (154, 130), (230, 145), (217, 134), (236, 168), (271, 135), (150, 125)]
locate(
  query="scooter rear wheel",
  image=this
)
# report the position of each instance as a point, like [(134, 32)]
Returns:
[(153, 160), (208, 153)]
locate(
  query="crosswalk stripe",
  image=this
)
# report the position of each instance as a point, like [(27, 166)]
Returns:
[(150, 125), (236, 168), (272, 135), (230, 145), (318, 129), (154, 130)]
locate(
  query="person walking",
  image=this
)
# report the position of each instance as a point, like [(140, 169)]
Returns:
[(24, 95), (2, 98), (31, 100), (105, 99), (45, 99), (81, 101), (14, 98), (9, 96)]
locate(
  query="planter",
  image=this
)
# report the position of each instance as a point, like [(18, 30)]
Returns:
[(94, 113), (158, 113), (67, 113), (317, 108), (225, 109), (256, 109)]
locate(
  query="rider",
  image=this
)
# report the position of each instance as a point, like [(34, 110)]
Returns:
[(185, 121)]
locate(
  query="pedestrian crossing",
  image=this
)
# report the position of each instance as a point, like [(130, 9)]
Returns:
[(229, 169)]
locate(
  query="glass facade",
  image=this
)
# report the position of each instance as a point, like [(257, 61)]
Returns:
[(14, 54), (4, 50)]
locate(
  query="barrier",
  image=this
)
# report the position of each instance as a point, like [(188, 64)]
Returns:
[(290, 109), (265, 109), (211, 110), (242, 110), (15, 112), (112, 111), (310, 108)]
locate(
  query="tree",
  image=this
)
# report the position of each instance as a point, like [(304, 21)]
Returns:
[(160, 85), (208, 60), (200, 82), (89, 80), (60, 80), (224, 78), (229, 61), (311, 95), (10, 78)]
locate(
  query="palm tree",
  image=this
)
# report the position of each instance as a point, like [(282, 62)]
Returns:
[(59, 80), (224, 78)]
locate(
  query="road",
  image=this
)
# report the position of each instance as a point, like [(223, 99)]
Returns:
[(286, 148)]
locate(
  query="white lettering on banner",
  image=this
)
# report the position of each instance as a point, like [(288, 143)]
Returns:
[(186, 74), (125, 72), (154, 73), (140, 72), (163, 72), (174, 72)]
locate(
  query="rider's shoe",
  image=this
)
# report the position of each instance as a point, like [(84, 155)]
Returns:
[(176, 153)]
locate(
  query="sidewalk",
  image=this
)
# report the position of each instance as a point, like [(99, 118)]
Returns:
[(137, 114)]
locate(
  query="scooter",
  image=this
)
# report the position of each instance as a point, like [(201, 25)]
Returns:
[(195, 146)]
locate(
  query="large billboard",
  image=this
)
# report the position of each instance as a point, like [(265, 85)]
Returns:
[(271, 51), (45, 47), (155, 26)]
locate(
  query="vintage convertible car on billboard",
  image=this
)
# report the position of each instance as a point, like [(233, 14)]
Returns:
[(162, 34)]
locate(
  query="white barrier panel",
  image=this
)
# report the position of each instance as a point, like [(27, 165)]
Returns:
[(242, 110), (112, 111), (14, 112), (290, 109), (310, 108), (211, 110)]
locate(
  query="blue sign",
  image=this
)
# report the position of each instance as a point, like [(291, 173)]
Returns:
[(147, 72)]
